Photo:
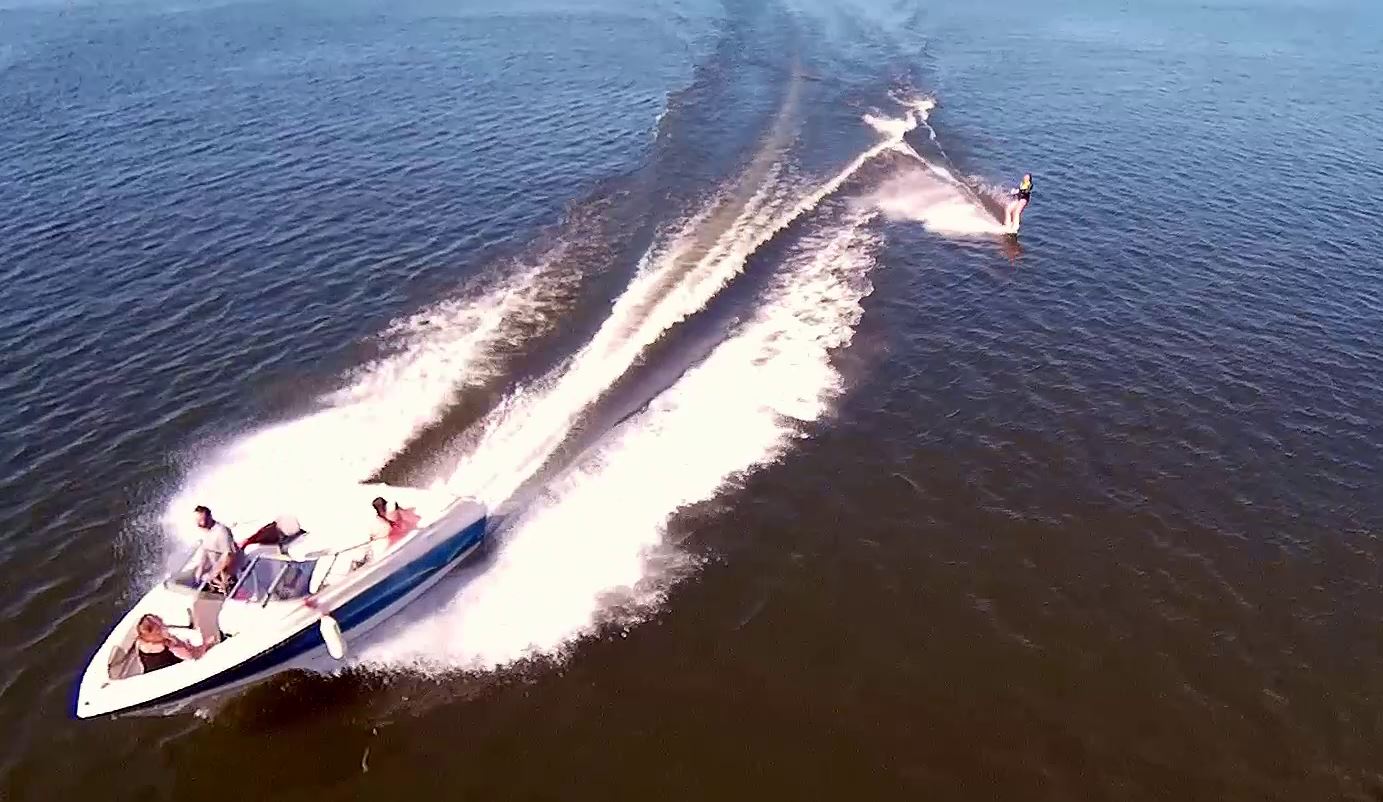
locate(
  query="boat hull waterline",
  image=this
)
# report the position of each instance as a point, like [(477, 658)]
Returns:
[(281, 634)]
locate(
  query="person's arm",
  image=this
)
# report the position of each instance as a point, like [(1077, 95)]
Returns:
[(182, 649), (228, 550), (200, 561)]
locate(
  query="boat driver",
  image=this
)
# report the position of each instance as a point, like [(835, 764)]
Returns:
[(217, 553)]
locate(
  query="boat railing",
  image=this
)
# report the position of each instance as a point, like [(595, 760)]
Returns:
[(326, 572), (186, 576), (267, 576)]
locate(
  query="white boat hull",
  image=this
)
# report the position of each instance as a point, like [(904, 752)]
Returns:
[(284, 634)]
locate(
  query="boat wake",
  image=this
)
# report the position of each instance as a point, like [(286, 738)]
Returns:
[(591, 552), (931, 193), (928, 195), (588, 549), (432, 357)]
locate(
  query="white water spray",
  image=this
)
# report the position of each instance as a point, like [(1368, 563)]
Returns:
[(358, 428), (592, 551), (594, 543), (528, 435), (930, 193)]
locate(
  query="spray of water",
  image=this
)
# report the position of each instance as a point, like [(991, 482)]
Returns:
[(594, 542), (592, 551), (929, 192), (359, 427), (921, 195), (672, 284)]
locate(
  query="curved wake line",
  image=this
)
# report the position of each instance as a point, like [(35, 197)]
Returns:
[(522, 441), (593, 551), (934, 195), (359, 427), (593, 543)]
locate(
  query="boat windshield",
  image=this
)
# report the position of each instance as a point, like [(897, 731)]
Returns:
[(271, 578), (263, 578), (188, 576)]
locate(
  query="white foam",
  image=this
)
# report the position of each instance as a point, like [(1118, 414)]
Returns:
[(524, 433), (360, 426), (930, 193), (591, 546), (918, 111), (941, 206), (673, 282), (593, 550)]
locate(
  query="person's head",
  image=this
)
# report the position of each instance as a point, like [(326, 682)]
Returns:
[(1027, 177), (380, 505), (151, 628), (203, 516)]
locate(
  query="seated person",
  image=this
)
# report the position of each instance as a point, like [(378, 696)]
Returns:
[(401, 522), (383, 512), (158, 648), (217, 554), (381, 525)]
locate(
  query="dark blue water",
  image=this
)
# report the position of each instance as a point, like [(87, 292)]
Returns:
[(823, 487)]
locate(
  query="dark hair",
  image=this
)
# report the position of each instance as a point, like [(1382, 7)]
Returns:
[(201, 510), (379, 504)]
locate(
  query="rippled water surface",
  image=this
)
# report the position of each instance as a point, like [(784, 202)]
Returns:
[(819, 485)]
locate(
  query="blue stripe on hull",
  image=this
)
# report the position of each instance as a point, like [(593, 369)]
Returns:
[(349, 615)]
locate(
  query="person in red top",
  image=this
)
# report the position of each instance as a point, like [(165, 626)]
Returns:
[(390, 524), (384, 519)]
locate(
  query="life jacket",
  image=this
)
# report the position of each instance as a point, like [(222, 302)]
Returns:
[(406, 522)]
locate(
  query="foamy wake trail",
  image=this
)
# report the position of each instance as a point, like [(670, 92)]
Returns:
[(930, 193), (927, 195), (594, 544), (359, 427), (671, 284), (592, 551), (523, 433)]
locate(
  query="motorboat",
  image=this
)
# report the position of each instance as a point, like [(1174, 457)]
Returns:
[(305, 582)]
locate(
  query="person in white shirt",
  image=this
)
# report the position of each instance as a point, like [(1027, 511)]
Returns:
[(217, 552)]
